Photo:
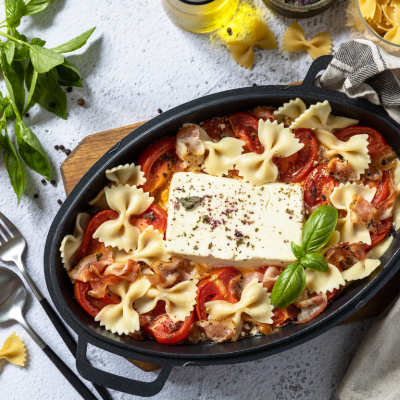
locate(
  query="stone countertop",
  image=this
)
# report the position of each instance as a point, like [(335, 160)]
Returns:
[(136, 62)]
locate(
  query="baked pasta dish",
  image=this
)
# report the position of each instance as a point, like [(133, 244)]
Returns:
[(236, 226)]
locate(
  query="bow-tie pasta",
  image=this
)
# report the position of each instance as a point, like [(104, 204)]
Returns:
[(341, 198), (126, 201), (290, 111), (278, 141), (13, 350), (71, 243), (255, 302), (322, 282)]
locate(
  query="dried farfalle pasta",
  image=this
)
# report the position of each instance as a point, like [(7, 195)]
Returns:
[(290, 111), (261, 36), (353, 17), (278, 141), (322, 282), (255, 302), (13, 350), (71, 243), (294, 40)]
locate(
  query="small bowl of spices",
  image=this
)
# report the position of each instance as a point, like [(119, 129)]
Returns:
[(299, 8)]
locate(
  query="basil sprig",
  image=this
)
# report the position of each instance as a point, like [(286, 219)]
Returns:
[(30, 66), (316, 233)]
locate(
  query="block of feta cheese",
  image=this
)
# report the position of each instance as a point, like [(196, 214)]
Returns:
[(220, 221)]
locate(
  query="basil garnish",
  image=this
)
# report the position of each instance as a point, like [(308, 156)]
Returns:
[(316, 233), (189, 202)]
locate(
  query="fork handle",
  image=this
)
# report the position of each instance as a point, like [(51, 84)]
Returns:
[(68, 340)]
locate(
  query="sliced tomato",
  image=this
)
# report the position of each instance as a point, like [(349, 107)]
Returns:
[(281, 316), (382, 188), (89, 244), (217, 129), (157, 162), (93, 305), (296, 167), (375, 140), (383, 230), (215, 287), (318, 186), (245, 127), (154, 216), (166, 331)]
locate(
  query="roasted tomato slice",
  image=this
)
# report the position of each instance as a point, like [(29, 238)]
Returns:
[(382, 188), (154, 216), (215, 287), (166, 331), (383, 230), (245, 127), (296, 167), (375, 140), (157, 162), (318, 186), (217, 129), (281, 316), (90, 245), (93, 305)]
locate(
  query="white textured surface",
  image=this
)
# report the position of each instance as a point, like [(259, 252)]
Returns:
[(137, 62)]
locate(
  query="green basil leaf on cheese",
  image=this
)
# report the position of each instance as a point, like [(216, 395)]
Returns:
[(297, 250), (318, 228), (315, 261), (289, 285)]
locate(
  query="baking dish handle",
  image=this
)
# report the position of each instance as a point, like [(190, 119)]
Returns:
[(112, 381), (317, 66)]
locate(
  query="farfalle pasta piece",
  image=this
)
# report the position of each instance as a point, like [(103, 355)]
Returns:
[(369, 8), (179, 300), (14, 350), (333, 241), (361, 269), (128, 174), (380, 249), (341, 198), (323, 282), (290, 111), (255, 301), (122, 317), (126, 201), (353, 17), (151, 247), (354, 151), (220, 155), (261, 36), (278, 141), (294, 40), (318, 116), (71, 243)]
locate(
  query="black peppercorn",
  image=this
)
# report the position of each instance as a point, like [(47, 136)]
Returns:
[(69, 89), (229, 30), (27, 115), (53, 182), (43, 181), (61, 147), (59, 201), (57, 147), (159, 111), (68, 152), (36, 196), (254, 84)]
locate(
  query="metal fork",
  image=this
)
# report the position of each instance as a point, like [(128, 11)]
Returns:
[(12, 247)]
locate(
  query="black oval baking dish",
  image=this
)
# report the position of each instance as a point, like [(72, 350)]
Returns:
[(127, 150)]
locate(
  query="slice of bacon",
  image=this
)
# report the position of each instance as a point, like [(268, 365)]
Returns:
[(188, 142), (310, 305), (128, 270), (264, 112), (384, 158), (238, 283), (91, 266), (386, 207), (373, 173), (265, 329), (365, 213), (217, 331), (270, 277), (341, 170), (99, 285), (345, 255)]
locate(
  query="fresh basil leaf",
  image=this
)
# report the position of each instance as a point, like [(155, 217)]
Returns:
[(30, 102), (43, 60), (14, 77), (68, 74), (13, 165), (297, 250), (10, 113), (36, 6), (14, 12), (315, 261), (9, 50), (21, 51), (31, 150), (48, 80), (38, 41), (4, 102), (318, 228), (75, 43), (289, 285)]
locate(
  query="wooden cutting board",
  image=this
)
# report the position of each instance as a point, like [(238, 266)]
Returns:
[(92, 147)]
